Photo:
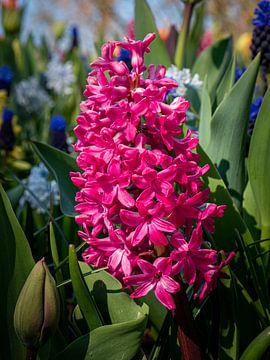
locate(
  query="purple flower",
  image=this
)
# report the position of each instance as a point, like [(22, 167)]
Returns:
[(262, 14)]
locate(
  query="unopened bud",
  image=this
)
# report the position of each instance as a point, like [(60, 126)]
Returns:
[(36, 313), (11, 20)]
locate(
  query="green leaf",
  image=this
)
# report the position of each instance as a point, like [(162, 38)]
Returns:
[(113, 303), (230, 228), (60, 164), (229, 131), (83, 296), (258, 346), (213, 62), (120, 339), (117, 341), (251, 213), (205, 117), (195, 36), (16, 262), (227, 81), (259, 165), (229, 331), (144, 24)]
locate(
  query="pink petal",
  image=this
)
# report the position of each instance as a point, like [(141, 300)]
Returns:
[(139, 234), (169, 284), (130, 218), (189, 270), (157, 237), (164, 297), (125, 199), (163, 225), (146, 266), (143, 289)]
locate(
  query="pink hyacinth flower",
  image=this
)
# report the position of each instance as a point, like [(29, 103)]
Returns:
[(155, 277)]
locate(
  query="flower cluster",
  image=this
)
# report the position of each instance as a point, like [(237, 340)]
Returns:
[(31, 96), (60, 77), (184, 80), (141, 203), (40, 190)]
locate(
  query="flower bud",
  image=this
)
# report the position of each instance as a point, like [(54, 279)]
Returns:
[(11, 20), (36, 313)]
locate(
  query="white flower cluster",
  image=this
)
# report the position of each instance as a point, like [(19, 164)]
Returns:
[(184, 79), (31, 96), (42, 190), (60, 77)]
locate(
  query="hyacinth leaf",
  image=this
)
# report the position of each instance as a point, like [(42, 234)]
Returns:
[(228, 135), (259, 166), (113, 303), (126, 320), (229, 330), (213, 62), (117, 341), (16, 263), (231, 226), (195, 36), (250, 212), (83, 296), (227, 81), (14, 195), (144, 24), (60, 164), (258, 346), (205, 116)]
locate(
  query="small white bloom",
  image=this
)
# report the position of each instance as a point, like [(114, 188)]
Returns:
[(43, 189), (31, 96), (60, 77), (184, 79)]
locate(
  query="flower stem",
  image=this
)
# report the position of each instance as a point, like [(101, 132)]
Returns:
[(183, 36), (186, 331), (31, 354)]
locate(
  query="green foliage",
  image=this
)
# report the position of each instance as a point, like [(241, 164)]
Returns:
[(144, 24), (258, 346), (60, 164), (259, 166), (125, 322), (228, 132), (16, 263), (213, 62)]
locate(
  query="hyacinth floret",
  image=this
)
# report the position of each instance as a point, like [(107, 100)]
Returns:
[(141, 202), (262, 14)]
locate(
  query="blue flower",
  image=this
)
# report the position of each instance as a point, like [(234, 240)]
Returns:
[(124, 55), (239, 72), (262, 14), (7, 137), (58, 123), (58, 136), (255, 107), (74, 36), (6, 77)]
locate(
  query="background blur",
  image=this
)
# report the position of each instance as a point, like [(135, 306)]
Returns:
[(109, 19)]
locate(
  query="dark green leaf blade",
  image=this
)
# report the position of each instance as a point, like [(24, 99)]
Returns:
[(16, 262), (229, 131), (60, 164), (144, 24)]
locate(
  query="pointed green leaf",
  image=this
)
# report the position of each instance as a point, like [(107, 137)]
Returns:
[(258, 346), (83, 296), (144, 24), (229, 131), (16, 262), (227, 81), (259, 165), (122, 338), (251, 214), (213, 62), (229, 228), (205, 117), (60, 164), (117, 341)]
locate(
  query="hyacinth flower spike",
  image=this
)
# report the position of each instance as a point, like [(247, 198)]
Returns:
[(140, 199)]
